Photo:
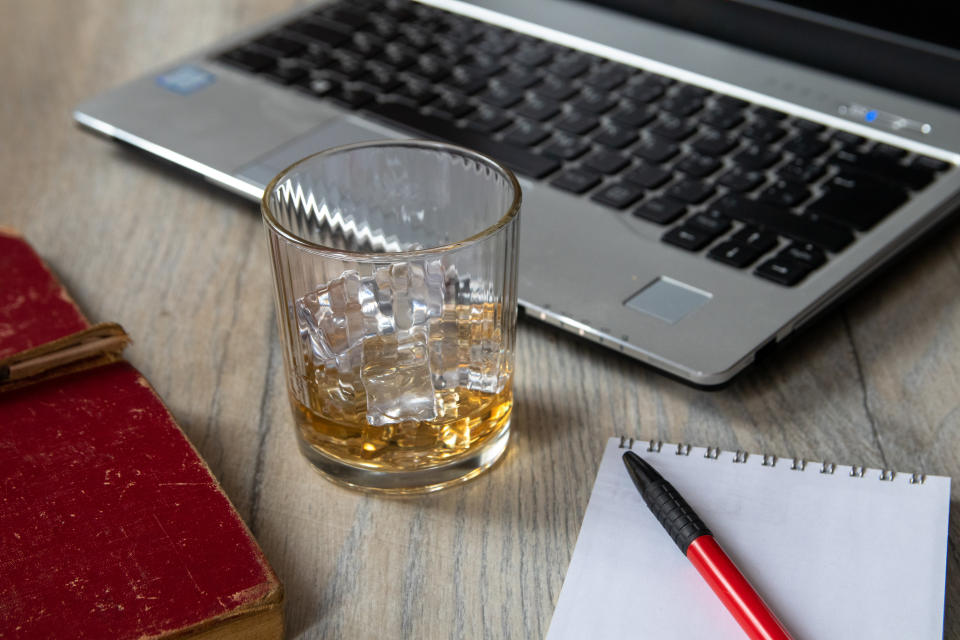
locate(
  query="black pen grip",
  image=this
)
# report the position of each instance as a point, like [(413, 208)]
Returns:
[(676, 516)]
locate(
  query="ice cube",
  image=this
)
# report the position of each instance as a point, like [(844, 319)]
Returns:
[(396, 379), (336, 317)]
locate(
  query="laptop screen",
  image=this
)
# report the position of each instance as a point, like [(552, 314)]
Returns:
[(910, 47)]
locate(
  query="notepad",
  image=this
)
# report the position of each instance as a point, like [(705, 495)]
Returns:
[(836, 551)]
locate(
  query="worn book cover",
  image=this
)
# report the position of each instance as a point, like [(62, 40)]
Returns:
[(111, 525)]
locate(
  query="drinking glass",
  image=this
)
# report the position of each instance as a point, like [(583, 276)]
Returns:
[(395, 264)]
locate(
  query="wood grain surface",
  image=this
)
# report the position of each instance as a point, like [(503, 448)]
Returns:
[(184, 268)]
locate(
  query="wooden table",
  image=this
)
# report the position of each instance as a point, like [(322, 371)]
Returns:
[(184, 268)]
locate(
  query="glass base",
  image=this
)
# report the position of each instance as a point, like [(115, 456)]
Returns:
[(417, 481)]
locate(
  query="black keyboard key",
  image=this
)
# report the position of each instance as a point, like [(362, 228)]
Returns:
[(287, 71), (576, 122), (662, 210), (711, 220), (569, 66), (756, 157), (344, 17), (519, 77), (618, 195), (734, 254), (280, 45), (502, 95), (532, 55), (857, 201), (649, 176), (766, 113), (484, 63), (537, 108), (607, 77), (847, 139), (740, 179), (414, 92), (347, 64), (381, 78), (319, 85), (888, 151), (782, 271), (692, 91), (576, 181), (804, 253), (763, 131), (931, 164), (366, 44), (248, 59), (594, 101), (785, 193), (556, 88), (698, 166), (431, 67), (688, 237), (806, 146), (487, 120), (883, 168), (808, 126), (467, 80), (801, 170), (564, 147), (497, 45), (691, 191), (787, 224), (526, 134), (729, 103), (721, 118), (399, 55), (643, 92), (520, 160), (607, 162), (318, 32), (656, 149), (351, 96), (452, 106), (681, 105), (714, 143), (757, 239), (616, 136), (673, 128), (633, 114)]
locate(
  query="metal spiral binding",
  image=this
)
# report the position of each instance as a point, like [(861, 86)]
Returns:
[(770, 460)]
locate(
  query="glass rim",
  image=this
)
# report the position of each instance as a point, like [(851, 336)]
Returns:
[(511, 213)]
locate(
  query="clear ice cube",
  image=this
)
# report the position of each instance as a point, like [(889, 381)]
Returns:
[(401, 340)]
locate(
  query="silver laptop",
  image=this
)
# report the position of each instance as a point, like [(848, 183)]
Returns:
[(700, 179)]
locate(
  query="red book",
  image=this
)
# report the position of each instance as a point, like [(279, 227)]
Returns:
[(111, 525)]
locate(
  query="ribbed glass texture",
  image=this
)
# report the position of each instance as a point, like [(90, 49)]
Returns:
[(396, 266)]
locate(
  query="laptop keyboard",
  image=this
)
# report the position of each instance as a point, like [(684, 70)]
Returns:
[(746, 186)]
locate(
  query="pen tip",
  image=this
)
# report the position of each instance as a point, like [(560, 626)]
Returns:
[(642, 474)]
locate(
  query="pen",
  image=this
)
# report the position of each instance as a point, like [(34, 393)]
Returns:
[(697, 543)]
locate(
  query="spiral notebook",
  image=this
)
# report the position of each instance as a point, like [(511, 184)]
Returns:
[(836, 551)]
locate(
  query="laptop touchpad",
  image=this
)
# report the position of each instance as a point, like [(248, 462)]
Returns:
[(668, 299), (340, 131)]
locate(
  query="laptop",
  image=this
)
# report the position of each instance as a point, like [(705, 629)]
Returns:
[(701, 178)]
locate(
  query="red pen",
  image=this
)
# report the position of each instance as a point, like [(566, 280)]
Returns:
[(697, 543)]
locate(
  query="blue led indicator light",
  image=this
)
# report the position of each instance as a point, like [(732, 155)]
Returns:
[(870, 116)]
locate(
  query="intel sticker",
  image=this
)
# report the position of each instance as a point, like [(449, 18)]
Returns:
[(186, 79)]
